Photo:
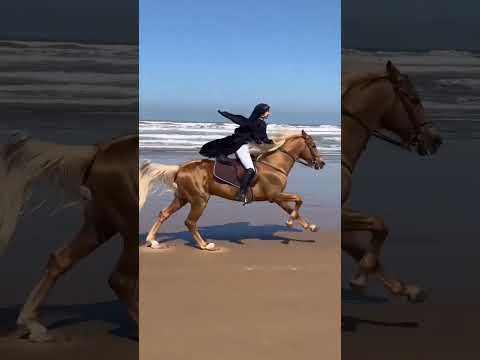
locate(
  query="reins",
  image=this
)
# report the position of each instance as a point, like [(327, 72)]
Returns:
[(375, 133), (294, 160)]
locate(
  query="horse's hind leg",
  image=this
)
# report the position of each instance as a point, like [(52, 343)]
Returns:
[(85, 242), (198, 205), (163, 216), (283, 199), (124, 279)]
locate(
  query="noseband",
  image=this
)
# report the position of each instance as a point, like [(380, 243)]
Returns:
[(401, 94)]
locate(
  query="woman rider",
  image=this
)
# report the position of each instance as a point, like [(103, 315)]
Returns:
[(251, 129)]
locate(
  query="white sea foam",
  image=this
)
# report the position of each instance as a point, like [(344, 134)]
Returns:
[(190, 136), (413, 62), (68, 73)]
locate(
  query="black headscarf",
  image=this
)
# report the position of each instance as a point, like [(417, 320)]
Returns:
[(258, 111)]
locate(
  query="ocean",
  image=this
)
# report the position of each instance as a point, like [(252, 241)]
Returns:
[(190, 136), (67, 75)]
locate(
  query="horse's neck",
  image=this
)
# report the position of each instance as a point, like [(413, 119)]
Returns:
[(282, 160), (369, 106), (354, 141)]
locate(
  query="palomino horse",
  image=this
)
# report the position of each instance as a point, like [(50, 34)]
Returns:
[(193, 183), (104, 180), (370, 103)]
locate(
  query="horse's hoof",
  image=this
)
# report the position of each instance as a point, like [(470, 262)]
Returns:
[(41, 337), (359, 285), (210, 246), (154, 244), (289, 223), (34, 332), (357, 289), (313, 228), (416, 294)]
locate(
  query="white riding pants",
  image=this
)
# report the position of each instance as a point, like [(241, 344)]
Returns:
[(244, 157)]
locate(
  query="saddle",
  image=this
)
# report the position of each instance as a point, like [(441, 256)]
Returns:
[(231, 173)]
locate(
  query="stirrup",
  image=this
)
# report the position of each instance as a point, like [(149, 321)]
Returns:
[(244, 199), (240, 197)]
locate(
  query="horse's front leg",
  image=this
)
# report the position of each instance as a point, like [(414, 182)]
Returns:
[(368, 255), (283, 199)]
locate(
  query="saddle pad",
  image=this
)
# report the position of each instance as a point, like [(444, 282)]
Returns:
[(229, 174)]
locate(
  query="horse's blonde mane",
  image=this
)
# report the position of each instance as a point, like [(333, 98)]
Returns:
[(260, 151)]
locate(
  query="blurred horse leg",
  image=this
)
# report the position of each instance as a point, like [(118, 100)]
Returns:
[(198, 206), (124, 279), (368, 256), (163, 216), (283, 199), (84, 243)]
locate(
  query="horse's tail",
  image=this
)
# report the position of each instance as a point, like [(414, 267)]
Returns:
[(24, 162), (151, 175)]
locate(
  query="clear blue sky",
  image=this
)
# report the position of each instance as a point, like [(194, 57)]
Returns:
[(200, 56)]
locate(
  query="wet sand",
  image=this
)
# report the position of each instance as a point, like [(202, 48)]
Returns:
[(270, 293)]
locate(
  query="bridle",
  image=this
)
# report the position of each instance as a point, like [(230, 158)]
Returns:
[(310, 164), (402, 95)]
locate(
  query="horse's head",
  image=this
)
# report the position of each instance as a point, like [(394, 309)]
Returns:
[(407, 117), (310, 152)]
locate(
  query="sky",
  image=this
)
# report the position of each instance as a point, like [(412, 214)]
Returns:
[(200, 56), (411, 24)]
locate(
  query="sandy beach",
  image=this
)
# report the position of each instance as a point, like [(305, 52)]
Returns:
[(270, 293)]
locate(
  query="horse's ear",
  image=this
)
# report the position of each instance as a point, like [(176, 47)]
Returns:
[(392, 72), (304, 134)]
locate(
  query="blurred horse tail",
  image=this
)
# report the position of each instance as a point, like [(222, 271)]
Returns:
[(154, 175), (25, 162)]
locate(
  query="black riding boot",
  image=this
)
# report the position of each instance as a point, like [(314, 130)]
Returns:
[(245, 184)]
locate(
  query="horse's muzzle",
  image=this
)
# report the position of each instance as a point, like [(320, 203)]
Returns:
[(319, 164), (429, 142)]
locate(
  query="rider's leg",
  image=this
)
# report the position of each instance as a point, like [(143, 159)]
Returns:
[(246, 160), (244, 156)]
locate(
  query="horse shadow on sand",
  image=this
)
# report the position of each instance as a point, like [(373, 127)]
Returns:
[(235, 233), (351, 324), (61, 316)]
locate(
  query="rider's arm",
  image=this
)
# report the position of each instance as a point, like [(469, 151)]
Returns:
[(259, 132)]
